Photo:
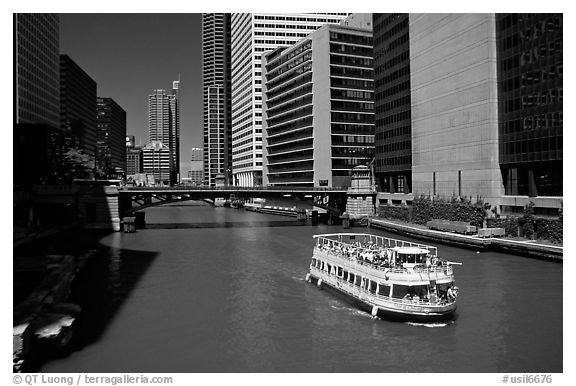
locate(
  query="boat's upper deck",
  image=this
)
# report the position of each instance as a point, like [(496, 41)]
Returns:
[(382, 253)]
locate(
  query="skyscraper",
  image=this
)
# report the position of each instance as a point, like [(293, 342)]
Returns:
[(216, 95), (530, 74), (37, 64), (111, 136), (393, 164), (164, 124), (77, 105), (251, 35), (318, 119)]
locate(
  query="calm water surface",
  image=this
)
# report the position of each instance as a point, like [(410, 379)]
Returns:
[(207, 289)]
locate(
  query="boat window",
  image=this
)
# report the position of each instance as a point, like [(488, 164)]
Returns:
[(339, 274), (372, 286), (399, 291), (351, 277), (345, 275), (329, 268), (358, 280), (313, 262), (384, 289)]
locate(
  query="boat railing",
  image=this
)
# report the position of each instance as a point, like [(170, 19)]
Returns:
[(444, 267), (442, 302), (337, 239)]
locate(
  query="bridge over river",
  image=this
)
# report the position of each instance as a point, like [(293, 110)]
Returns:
[(140, 197)]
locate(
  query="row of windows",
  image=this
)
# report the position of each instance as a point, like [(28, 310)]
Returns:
[(393, 104), (351, 94), (386, 34), (352, 83), (351, 60), (400, 58), (293, 84), (293, 18), (297, 124), (353, 106), (290, 105), (291, 95), (351, 50), (343, 128), (305, 133), (352, 72), (352, 139), (541, 121), (278, 33), (401, 73), (393, 133), (272, 73), (528, 101), (292, 72), (532, 55), (405, 160), (390, 91), (393, 118), (352, 117), (395, 146), (351, 38), (290, 116), (358, 151)]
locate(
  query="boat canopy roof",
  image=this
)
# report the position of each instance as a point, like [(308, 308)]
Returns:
[(411, 251)]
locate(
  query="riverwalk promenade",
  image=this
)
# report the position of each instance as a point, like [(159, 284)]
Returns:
[(529, 248)]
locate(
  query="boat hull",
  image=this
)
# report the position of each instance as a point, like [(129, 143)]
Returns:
[(384, 312)]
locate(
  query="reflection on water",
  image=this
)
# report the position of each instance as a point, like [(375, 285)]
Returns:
[(213, 298)]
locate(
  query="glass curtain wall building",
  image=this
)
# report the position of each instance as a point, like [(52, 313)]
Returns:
[(530, 103), (252, 34)]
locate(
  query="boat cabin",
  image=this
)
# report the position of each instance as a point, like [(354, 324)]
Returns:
[(409, 256)]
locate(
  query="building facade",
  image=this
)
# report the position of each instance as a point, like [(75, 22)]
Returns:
[(216, 95), (483, 114), (393, 164), (530, 108), (111, 136), (134, 161), (164, 124), (318, 121), (157, 163), (37, 68), (77, 106), (196, 172), (251, 35)]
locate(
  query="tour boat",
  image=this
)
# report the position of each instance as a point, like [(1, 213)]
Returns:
[(389, 278)]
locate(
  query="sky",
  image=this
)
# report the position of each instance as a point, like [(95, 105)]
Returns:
[(131, 55)]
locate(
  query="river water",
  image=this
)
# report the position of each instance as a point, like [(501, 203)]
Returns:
[(205, 289)]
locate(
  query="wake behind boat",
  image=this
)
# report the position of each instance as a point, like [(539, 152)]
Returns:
[(389, 278)]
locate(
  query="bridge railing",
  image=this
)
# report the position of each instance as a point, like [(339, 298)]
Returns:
[(231, 188)]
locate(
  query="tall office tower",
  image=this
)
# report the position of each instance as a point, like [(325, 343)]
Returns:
[(318, 118), (163, 124), (216, 96), (157, 163), (251, 35), (454, 105), (196, 173), (111, 136), (77, 106), (393, 163), (530, 109), (175, 138), (37, 68)]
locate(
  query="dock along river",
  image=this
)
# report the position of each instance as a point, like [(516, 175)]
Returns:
[(205, 289)]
